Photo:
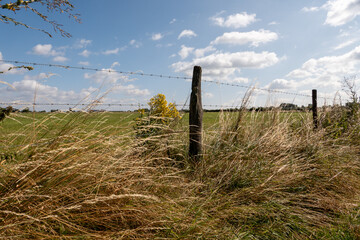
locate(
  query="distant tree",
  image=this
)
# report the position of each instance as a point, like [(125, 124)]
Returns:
[(37, 7), (288, 106), (25, 110), (4, 112)]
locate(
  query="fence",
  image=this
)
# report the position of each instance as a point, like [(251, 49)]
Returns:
[(195, 106)]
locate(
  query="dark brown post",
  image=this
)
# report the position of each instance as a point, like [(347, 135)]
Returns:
[(195, 117), (314, 108)]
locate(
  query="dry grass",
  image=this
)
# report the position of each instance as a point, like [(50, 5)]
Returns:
[(266, 177)]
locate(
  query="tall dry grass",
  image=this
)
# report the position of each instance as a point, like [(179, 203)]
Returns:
[(262, 176)]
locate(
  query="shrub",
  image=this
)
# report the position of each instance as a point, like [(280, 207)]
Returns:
[(161, 115)]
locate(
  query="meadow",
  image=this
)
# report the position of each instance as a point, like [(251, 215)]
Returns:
[(263, 175)]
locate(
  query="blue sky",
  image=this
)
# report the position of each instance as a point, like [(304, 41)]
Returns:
[(291, 46)]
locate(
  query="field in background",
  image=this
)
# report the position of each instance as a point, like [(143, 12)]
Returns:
[(87, 176)]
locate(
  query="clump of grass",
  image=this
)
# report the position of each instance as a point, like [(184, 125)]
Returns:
[(263, 176)]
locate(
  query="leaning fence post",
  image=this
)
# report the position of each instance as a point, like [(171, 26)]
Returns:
[(314, 108), (195, 117)]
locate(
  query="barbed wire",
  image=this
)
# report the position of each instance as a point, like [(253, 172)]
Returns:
[(97, 69), (162, 76), (184, 106), (74, 104)]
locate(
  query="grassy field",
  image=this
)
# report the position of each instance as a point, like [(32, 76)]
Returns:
[(262, 176)]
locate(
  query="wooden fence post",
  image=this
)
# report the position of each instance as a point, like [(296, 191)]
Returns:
[(314, 108), (195, 117)]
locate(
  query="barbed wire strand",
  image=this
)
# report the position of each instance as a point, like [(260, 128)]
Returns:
[(184, 106), (96, 69), (162, 76)]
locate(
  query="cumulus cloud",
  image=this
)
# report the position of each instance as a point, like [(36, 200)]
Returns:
[(327, 71), (157, 36), (131, 90), (341, 12), (282, 84), (225, 64), (82, 43), (107, 75), (310, 9), (25, 91), (85, 53), (255, 38), (345, 44), (238, 80), (273, 23), (200, 52), (238, 20), (173, 21), (135, 44), (185, 51), (60, 59), (187, 33), (111, 51), (4, 67), (45, 50)]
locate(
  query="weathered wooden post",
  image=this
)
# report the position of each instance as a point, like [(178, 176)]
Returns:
[(195, 117), (314, 108)]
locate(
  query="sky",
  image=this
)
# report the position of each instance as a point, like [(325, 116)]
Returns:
[(289, 46)]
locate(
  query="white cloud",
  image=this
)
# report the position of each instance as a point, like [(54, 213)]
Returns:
[(82, 43), (157, 36), (238, 20), (173, 21), (187, 33), (45, 50), (135, 43), (341, 12), (255, 38), (131, 90), (327, 71), (25, 91), (107, 75), (345, 44), (114, 64), (60, 59), (202, 51), (273, 23), (226, 64), (112, 51), (4, 67), (84, 63), (310, 9), (238, 80), (185, 51), (85, 53), (282, 84)]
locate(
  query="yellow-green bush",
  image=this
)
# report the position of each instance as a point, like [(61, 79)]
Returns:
[(161, 114)]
